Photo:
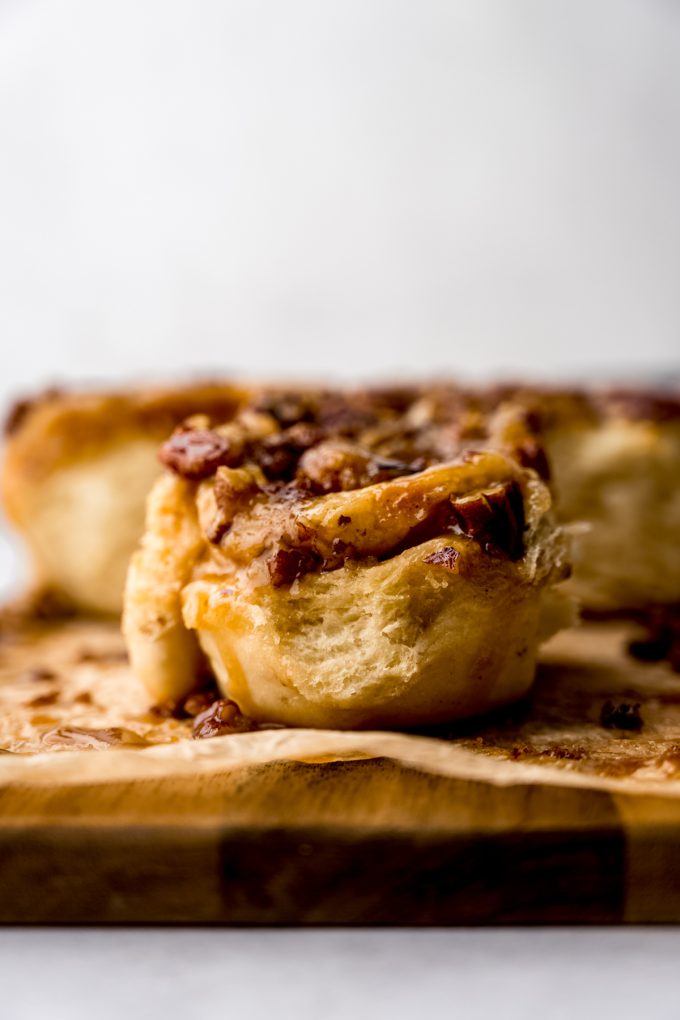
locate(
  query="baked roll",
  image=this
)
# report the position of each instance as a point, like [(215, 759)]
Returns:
[(78, 468), (614, 461), (346, 561)]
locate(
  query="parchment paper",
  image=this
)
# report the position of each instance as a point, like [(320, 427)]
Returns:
[(557, 737)]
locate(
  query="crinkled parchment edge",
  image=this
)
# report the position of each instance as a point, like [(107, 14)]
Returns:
[(224, 754)]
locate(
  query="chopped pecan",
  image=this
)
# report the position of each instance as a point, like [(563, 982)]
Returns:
[(278, 455), (494, 518), (197, 453), (218, 502), (339, 466), (198, 702), (531, 454), (335, 466), (223, 716), (346, 414), (287, 565), (189, 707)]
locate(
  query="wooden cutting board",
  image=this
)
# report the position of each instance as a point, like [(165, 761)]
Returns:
[(558, 819)]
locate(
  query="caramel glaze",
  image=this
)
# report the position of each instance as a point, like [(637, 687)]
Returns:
[(262, 470)]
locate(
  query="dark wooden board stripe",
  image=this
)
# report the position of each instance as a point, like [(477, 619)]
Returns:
[(315, 876), (479, 855)]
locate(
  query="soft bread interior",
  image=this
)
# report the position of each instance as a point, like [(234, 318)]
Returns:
[(621, 478), (77, 470), (397, 643), (83, 521)]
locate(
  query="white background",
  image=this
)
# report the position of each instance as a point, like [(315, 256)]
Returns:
[(352, 188), (339, 975)]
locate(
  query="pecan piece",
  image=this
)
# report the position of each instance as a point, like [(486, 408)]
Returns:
[(287, 565), (340, 466), (234, 489), (223, 716), (278, 455), (531, 454), (197, 453), (494, 518)]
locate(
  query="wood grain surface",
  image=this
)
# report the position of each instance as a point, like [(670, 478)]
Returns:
[(374, 841)]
